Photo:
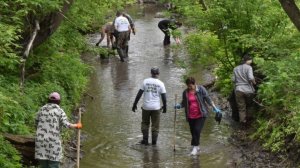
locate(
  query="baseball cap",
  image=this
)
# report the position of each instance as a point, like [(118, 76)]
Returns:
[(154, 70), (54, 96)]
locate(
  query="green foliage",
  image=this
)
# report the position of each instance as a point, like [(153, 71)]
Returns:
[(228, 30), (9, 156), (54, 66)]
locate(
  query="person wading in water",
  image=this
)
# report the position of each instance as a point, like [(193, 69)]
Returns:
[(153, 89), (195, 100), (165, 25), (122, 27)]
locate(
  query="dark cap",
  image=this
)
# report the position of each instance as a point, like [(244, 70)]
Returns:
[(247, 58), (154, 70)]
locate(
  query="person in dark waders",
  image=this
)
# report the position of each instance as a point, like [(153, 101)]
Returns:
[(165, 25), (132, 27), (153, 89), (195, 100), (122, 27)]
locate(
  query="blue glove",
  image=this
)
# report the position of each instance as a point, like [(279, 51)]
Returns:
[(216, 110), (177, 106)]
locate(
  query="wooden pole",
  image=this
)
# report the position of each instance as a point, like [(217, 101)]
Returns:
[(174, 138), (78, 139)]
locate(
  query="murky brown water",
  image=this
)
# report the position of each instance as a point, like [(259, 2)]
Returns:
[(113, 130)]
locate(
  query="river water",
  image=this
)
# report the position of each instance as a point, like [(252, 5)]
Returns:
[(113, 131)]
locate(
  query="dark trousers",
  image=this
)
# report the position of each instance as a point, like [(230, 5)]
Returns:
[(244, 103), (122, 42), (196, 126), (48, 164), (166, 31), (154, 117)]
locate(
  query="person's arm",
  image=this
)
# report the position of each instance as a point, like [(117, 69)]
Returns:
[(250, 76), (164, 100), (137, 98), (66, 123), (208, 100)]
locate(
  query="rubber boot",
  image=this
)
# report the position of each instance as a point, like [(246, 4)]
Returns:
[(126, 51), (120, 52), (145, 138), (154, 138)]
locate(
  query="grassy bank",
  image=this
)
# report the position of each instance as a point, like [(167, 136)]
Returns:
[(223, 31), (54, 65)]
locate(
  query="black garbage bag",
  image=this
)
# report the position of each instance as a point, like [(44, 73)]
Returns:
[(234, 109), (218, 117)]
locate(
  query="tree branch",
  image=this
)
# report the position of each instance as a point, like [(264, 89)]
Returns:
[(291, 9)]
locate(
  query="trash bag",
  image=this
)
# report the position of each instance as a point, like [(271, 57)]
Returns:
[(218, 117), (234, 109)]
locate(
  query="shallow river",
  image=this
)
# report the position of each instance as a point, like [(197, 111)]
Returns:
[(113, 130)]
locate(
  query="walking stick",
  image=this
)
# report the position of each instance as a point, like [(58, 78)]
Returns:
[(174, 138), (78, 139)]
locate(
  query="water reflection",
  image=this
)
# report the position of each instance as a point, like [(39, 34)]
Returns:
[(119, 74), (195, 162), (151, 158)]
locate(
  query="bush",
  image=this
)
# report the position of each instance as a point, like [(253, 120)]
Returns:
[(9, 156)]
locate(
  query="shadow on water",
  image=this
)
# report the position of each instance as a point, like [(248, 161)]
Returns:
[(113, 130)]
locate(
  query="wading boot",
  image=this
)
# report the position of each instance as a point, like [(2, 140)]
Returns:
[(145, 138), (154, 138), (120, 52)]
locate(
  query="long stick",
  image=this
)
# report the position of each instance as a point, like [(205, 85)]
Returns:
[(174, 138), (78, 139)]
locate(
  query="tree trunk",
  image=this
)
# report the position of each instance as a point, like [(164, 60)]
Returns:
[(202, 2), (292, 11), (48, 25), (26, 53)]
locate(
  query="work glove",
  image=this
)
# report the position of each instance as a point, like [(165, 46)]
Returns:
[(164, 108), (216, 110), (134, 107), (78, 125), (177, 106)]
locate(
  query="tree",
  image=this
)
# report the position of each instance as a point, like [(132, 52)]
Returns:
[(292, 10)]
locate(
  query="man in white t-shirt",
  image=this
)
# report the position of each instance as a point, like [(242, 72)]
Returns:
[(152, 89), (122, 26)]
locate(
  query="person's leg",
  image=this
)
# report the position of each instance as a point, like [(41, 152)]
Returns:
[(120, 45), (167, 39), (241, 103), (111, 37), (53, 164), (43, 164), (155, 118), (126, 45), (199, 123), (102, 34), (145, 126), (107, 40), (249, 106), (192, 129)]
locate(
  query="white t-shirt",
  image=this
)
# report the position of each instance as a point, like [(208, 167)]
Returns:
[(152, 88), (122, 24)]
